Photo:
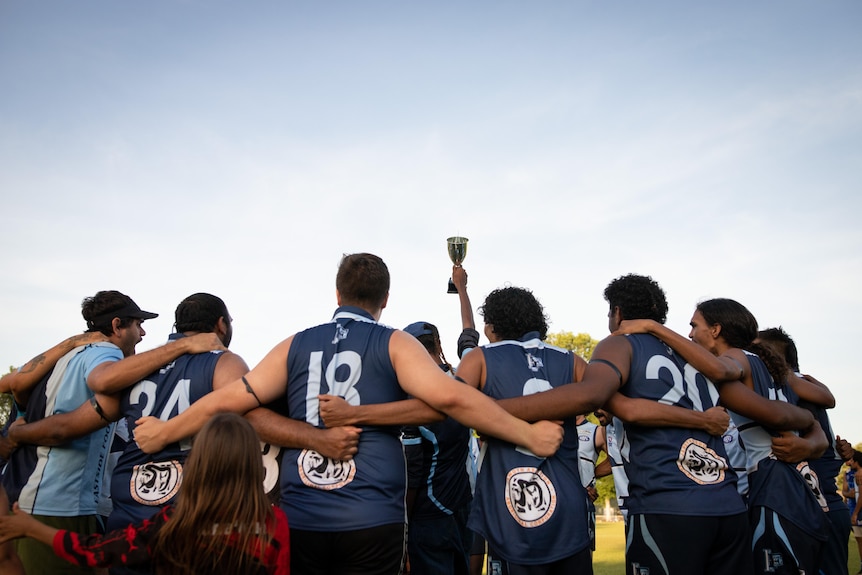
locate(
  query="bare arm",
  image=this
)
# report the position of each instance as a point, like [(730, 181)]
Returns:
[(603, 468), (794, 448), (459, 278), (336, 411), (656, 414), (10, 563), (600, 381), (844, 449), (340, 443), (773, 414), (809, 389), (28, 375), (267, 380), (62, 428), (113, 377), (20, 524), (717, 369), (421, 377)]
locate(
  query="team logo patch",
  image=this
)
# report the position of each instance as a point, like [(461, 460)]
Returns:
[(324, 473), (813, 483), (700, 463), (534, 363), (340, 333), (530, 496), (156, 483)]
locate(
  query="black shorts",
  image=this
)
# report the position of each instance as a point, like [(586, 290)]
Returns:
[(372, 551), (580, 563), (686, 545), (780, 547)]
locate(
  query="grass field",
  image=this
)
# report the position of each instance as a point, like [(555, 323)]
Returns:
[(609, 557)]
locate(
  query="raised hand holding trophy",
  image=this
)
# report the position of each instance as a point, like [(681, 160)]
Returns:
[(457, 247)]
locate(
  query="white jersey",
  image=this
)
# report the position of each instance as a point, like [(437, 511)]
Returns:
[(587, 452)]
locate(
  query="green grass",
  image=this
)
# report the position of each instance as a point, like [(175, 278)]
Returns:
[(609, 557), (852, 556), (610, 554)]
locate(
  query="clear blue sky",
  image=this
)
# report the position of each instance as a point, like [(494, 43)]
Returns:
[(163, 148)]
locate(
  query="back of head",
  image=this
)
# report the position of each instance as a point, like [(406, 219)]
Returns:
[(739, 329), (225, 457), (427, 335), (738, 325), (362, 281), (514, 312), (222, 493), (783, 344), (638, 297), (100, 310), (200, 312)]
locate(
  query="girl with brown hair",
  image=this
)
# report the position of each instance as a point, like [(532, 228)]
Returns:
[(222, 521)]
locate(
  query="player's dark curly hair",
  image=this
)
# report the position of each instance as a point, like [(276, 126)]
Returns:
[(513, 312), (638, 297), (739, 329), (783, 344)]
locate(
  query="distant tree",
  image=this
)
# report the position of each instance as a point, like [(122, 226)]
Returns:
[(6, 404), (582, 344)]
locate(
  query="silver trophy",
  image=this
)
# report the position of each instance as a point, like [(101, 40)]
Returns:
[(457, 247)]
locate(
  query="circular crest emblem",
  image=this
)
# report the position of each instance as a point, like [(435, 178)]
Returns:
[(156, 482), (322, 472), (700, 463), (530, 496)]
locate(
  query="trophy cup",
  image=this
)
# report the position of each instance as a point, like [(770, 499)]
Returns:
[(457, 246)]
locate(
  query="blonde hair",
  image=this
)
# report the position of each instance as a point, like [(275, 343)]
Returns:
[(222, 520)]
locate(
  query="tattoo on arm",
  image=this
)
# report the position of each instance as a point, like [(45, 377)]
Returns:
[(33, 364)]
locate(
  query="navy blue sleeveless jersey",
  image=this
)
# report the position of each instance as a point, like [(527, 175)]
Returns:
[(791, 491), (23, 460), (672, 470), (531, 510), (347, 357), (142, 483), (437, 467), (827, 466)]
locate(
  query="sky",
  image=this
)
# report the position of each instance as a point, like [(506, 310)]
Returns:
[(164, 148)]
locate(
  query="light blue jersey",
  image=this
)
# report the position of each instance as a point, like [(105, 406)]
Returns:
[(67, 480)]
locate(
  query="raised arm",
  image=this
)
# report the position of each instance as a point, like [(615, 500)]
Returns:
[(717, 369), (459, 277), (113, 377), (656, 414), (469, 337), (28, 375)]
